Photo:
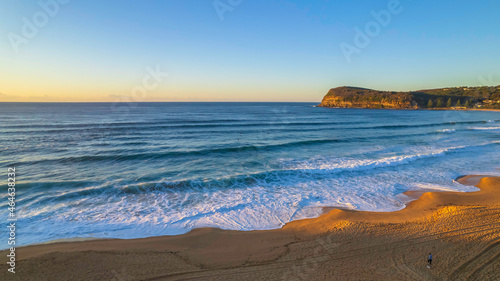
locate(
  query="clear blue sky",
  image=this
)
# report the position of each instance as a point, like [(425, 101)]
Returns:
[(262, 50)]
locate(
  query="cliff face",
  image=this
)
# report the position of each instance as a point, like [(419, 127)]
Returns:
[(351, 97)]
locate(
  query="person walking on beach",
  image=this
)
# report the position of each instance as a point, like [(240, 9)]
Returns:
[(429, 260)]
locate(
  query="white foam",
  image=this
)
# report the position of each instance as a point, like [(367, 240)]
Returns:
[(447, 131), (484, 128), (299, 190), (434, 187), (343, 164)]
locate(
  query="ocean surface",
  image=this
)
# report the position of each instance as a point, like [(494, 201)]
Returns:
[(107, 170)]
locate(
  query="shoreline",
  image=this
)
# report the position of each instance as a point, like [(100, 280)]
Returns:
[(410, 196), (436, 109), (208, 251)]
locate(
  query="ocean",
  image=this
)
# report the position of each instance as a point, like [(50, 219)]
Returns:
[(105, 170)]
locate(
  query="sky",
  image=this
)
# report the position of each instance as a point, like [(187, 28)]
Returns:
[(241, 50)]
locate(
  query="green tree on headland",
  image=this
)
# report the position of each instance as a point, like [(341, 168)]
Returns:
[(459, 104), (430, 104), (439, 103), (467, 104), (448, 104)]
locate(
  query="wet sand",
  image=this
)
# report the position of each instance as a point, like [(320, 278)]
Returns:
[(461, 230)]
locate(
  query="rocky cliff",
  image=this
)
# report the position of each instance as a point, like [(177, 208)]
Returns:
[(352, 97), (364, 98)]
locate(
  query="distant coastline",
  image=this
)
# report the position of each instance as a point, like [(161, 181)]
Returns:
[(458, 98)]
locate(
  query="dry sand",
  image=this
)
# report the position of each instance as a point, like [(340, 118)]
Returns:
[(461, 230)]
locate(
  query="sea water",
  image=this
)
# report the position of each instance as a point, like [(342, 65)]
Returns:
[(105, 170)]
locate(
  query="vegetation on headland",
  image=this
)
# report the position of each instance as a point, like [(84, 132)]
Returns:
[(446, 98)]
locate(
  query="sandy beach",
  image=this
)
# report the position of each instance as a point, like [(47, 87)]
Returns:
[(461, 230)]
